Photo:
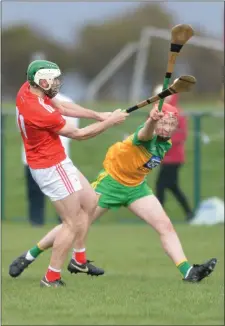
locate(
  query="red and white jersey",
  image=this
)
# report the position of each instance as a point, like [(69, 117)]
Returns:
[(39, 122)]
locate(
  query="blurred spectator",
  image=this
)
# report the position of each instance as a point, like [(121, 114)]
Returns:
[(168, 177), (36, 199)]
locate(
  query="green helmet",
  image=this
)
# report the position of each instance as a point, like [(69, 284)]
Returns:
[(42, 73)]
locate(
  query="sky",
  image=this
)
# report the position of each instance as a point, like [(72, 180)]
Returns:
[(62, 19)]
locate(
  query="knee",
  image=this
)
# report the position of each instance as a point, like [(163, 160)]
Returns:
[(68, 222), (73, 219)]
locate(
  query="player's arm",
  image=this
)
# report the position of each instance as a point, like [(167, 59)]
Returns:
[(68, 130), (146, 133), (70, 109)]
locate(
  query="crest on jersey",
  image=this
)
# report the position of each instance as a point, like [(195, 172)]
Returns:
[(153, 162)]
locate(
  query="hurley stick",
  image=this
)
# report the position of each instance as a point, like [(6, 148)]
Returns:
[(181, 84), (180, 34)]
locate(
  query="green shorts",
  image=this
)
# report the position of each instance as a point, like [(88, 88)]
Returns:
[(114, 194)]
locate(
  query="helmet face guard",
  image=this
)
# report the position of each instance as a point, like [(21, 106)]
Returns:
[(49, 81), (166, 125)]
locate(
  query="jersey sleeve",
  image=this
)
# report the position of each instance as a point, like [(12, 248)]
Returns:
[(137, 141), (46, 117), (54, 122)]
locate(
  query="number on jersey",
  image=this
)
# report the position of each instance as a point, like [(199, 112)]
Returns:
[(20, 123)]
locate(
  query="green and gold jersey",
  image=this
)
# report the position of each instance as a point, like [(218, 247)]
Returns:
[(130, 161)]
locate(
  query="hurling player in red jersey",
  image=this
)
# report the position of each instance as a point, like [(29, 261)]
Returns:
[(40, 120)]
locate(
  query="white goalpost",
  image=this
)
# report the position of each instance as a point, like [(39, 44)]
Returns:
[(144, 47), (141, 48), (110, 70)]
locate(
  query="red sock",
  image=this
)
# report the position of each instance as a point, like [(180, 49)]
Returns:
[(52, 276), (80, 257)]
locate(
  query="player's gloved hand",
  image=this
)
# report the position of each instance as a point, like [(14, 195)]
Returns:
[(118, 116), (155, 114)]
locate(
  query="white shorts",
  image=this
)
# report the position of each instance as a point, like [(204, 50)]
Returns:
[(59, 181)]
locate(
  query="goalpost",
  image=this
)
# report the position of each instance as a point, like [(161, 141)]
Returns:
[(144, 47), (110, 69), (141, 48)]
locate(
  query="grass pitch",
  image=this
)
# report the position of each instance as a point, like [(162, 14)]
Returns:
[(141, 285)]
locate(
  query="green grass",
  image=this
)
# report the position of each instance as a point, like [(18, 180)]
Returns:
[(141, 285), (88, 156)]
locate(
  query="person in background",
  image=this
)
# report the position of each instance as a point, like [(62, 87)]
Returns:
[(36, 199), (168, 177)]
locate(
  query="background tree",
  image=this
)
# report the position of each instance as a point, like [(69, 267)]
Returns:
[(99, 43), (18, 45)]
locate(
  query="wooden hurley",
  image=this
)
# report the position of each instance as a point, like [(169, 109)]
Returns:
[(180, 34), (180, 85)]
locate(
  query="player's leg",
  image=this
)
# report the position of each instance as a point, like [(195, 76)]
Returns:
[(47, 241), (89, 201), (62, 185), (73, 224), (23, 261), (150, 210), (61, 237), (78, 262), (112, 196), (96, 199), (104, 185)]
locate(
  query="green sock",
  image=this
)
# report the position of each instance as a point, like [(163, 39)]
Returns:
[(183, 267), (35, 251)]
